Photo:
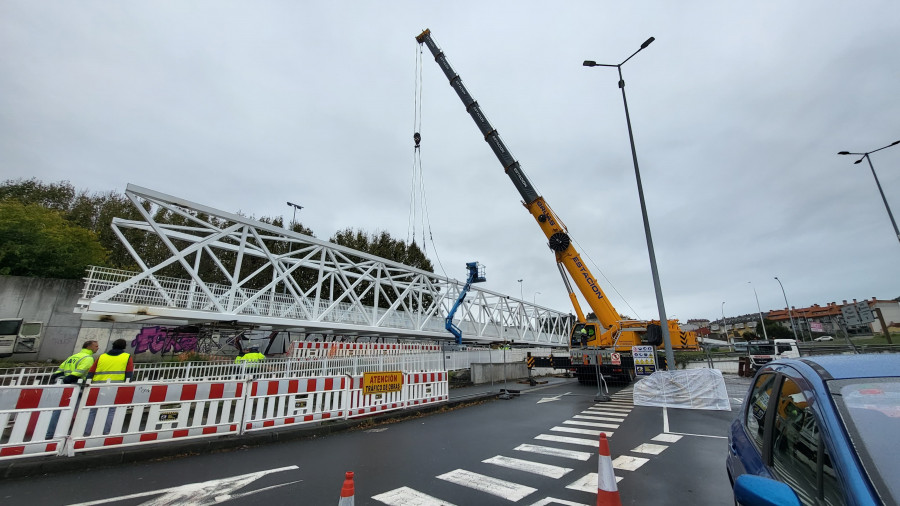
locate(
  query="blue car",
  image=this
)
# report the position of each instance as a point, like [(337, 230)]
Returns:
[(819, 430)]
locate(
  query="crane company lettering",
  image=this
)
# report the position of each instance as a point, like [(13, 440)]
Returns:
[(382, 382)]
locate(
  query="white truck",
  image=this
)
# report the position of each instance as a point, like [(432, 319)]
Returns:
[(19, 336), (763, 352)]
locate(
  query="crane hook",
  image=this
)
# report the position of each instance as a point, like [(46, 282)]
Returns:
[(417, 138)]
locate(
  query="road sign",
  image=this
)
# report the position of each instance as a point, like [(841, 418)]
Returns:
[(382, 382), (644, 360), (865, 312), (850, 314), (616, 359)]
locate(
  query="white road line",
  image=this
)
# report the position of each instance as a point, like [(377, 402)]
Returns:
[(554, 452), (699, 435), (572, 440), (547, 501), (666, 438), (202, 493), (738, 401), (628, 463), (528, 466), (611, 409), (625, 404), (500, 488), (600, 418), (588, 483), (575, 430), (593, 424), (650, 448), (405, 496), (665, 420)]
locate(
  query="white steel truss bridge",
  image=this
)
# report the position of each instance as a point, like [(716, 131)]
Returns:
[(199, 264)]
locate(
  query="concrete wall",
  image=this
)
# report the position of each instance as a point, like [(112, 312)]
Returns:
[(497, 373), (50, 301)]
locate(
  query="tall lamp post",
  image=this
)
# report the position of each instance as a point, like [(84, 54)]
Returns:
[(759, 309), (521, 293), (296, 208), (788, 308), (534, 299), (724, 327), (663, 321), (886, 206)]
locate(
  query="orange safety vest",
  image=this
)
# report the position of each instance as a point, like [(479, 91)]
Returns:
[(111, 367)]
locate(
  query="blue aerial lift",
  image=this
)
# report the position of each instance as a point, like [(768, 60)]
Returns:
[(476, 275)]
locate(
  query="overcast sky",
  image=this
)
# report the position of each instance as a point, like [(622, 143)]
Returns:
[(738, 110)]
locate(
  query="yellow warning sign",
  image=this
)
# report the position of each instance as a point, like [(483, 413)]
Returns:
[(382, 382)]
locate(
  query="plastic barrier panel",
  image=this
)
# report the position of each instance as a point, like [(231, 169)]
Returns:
[(35, 420), (280, 402), (425, 388), (362, 404), (126, 414)]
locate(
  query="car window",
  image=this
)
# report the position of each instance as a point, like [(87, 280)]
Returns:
[(756, 408), (870, 409), (798, 450)]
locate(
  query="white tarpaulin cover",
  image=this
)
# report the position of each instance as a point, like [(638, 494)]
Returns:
[(688, 388)]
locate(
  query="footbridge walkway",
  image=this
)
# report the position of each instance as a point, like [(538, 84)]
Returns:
[(199, 264)]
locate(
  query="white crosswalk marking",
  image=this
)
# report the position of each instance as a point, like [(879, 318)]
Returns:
[(593, 424), (666, 438), (611, 409), (600, 418), (628, 463), (528, 466), (588, 483), (552, 501), (576, 430), (554, 452), (500, 488), (650, 448), (572, 440), (405, 496)]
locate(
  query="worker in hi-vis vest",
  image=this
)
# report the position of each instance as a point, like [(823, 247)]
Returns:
[(253, 355), (114, 365)]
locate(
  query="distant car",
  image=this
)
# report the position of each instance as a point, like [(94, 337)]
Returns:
[(824, 338), (819, 430)]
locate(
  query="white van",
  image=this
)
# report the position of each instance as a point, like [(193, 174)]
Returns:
[(763, 352), (19, 336)]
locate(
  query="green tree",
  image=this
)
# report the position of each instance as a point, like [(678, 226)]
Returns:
[(36, 241)]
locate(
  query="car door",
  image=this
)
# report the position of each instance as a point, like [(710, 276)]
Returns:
[(748, 449)]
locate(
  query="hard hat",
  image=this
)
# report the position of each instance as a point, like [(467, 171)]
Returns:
[(254, 348)]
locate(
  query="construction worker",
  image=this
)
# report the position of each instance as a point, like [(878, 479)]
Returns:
[(253, 355), (76, 367), (114, 365), (584, 337)]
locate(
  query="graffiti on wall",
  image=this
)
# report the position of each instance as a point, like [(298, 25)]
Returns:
[(166, 339)]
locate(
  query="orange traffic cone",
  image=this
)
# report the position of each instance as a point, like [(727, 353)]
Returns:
[(607, 493), (347, 491)]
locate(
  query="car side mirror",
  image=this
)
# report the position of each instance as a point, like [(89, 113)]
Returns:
[(752, 490)]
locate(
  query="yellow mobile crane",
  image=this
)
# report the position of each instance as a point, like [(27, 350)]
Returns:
[(611, 334)]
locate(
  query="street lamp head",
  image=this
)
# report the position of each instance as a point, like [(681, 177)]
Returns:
[(856, 162), (589, 63), (843, 152), (647, 42)]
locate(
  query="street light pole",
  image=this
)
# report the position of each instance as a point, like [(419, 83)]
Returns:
[(877, 183), (521, 293), (761, 322), (663, 321), (788, 308), (724, 327), (534, 299)]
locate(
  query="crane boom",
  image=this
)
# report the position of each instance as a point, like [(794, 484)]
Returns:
[(553, 228)]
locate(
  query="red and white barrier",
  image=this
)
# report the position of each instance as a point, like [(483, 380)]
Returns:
[(426, 388), (607, 490), (29, 415), (126, 414), (275, 403)]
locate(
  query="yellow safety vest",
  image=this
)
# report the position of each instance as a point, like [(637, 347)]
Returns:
[(77, 365), (111, 367), (253, 357)]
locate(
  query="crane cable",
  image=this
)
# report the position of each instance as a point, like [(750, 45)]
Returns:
[(417, 197), (609, 283)]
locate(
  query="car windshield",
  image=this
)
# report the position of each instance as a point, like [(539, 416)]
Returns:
[(870, 408), (762, 349)]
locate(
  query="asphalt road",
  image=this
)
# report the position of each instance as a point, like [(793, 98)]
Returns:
[(537, 448)]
